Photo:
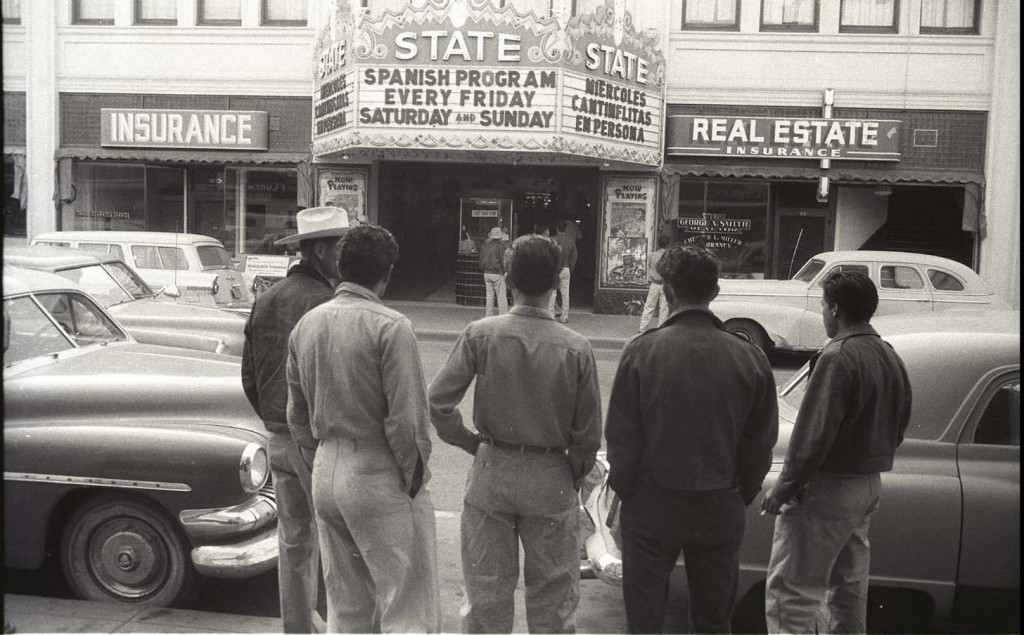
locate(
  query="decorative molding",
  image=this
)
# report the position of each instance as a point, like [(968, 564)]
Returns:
[(95, 482)]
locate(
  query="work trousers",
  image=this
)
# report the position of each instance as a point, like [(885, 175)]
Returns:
[(298, 552), (379, 544), (658, 523), (514, 496), (564, 277), (495, 286), (655, 302), (818, 573)]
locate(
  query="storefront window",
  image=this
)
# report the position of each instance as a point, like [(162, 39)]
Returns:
[(730, 219), (271, 202), (107, 196)]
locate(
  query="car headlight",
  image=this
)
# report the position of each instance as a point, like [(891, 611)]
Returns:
[(215, 287), (254, 468)]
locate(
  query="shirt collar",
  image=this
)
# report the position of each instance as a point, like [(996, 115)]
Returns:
[(694, 310), (531, 311), (352, 288), (856, 329)]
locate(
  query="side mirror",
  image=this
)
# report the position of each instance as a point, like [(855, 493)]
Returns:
[(171, 291)]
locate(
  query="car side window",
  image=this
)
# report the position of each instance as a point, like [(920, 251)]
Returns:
[(900, 277), (79, 318), (857, 268), (1000, 423), (942, 281), (173, 258), (145, 257), (102, 248), (32, 333)]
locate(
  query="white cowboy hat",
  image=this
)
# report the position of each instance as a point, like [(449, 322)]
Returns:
[(318, 222), (496, 233)]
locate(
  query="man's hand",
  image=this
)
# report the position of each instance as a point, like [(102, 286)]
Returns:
[(770, 504)]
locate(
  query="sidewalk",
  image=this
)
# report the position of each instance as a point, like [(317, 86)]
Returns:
[(441, 321)]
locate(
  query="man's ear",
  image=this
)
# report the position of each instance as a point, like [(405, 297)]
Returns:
[(714, 294), (387, 278)]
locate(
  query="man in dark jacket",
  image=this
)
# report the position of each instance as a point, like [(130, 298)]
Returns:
[(692, 420), (853, 416), (492, 263), (308, 284)]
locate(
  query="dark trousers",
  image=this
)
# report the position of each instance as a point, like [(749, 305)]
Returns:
[(657, 524)]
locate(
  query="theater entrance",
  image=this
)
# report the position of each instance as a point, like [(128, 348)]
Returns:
[(430, 208)]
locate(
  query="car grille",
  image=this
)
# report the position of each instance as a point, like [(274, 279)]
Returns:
[(267, 491)]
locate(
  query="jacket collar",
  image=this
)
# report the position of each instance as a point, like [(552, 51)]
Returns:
[(694, 312), (531, 311), (303, 269), (351, 288), (856, 329)]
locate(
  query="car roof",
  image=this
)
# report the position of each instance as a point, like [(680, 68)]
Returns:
[(48, 258), (968, 275), (160, 238), (18, 280), (949, 321)]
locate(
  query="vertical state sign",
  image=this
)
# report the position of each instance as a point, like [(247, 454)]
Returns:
[(466, 75)]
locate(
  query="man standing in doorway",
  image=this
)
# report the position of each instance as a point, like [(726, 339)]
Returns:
[(356, 388), (492, 263), (308, 284), (537, 408), (691, 425), (655, 291), (853, 416), (566, 263)]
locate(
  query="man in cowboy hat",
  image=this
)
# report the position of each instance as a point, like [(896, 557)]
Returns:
[(492, 263), (308, 284)]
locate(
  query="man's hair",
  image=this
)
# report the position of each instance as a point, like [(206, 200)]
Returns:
[(533, 267), (853, 292), (692, 272), (366, 255), (663, 241)]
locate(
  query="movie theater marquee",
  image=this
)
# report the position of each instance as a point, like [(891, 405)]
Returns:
[(465, 75)]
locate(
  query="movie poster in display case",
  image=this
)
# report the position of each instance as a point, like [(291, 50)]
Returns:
[(629, 207)]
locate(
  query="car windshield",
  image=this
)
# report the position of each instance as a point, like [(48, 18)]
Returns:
[(32, 332), (128, 279), (98, 282), (809, 270), (214, 257)]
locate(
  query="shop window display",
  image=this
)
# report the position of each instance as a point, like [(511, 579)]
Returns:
[(730, 219), (108, 196)]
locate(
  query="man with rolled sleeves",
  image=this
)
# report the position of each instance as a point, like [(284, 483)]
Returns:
[(537, 413), (691, 424)]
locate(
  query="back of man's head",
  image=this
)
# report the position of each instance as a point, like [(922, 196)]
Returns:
[(366, 255), (692, 272), (533, 268), (853, 292), (663, 241), (563, 223)]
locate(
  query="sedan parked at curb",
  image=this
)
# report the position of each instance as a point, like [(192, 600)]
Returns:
[(146, 315), (140, 468), (786, 314), (945, 543)]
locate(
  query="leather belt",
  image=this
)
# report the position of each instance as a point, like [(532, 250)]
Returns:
[(521, 448)]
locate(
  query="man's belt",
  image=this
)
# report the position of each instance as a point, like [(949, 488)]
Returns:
[(521, 448)]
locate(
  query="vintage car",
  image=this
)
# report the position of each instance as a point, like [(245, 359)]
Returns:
[(787, 314), (195, 269), (140, 468), (945, 544), (145, 314)]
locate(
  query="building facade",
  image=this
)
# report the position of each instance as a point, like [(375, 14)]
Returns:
[(767, 130)]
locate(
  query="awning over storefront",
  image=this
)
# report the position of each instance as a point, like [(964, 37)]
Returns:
[(181, 156)]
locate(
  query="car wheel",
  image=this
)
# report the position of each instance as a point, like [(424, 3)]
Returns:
[(750, 331), (125, 549)]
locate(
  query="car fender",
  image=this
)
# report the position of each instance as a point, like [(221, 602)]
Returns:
[(780, 322)]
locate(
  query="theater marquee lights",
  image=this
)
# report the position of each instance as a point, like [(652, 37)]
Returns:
[(465, 75)]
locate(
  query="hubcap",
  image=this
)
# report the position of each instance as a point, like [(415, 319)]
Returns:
[(128, 558)]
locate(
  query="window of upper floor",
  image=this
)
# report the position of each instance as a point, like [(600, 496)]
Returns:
[(869, 16), (156, 12), (284, 13), (585, 7), (11, 10), (949, 17), (711, 15), (92, 12), (219, 13), (789, 15)]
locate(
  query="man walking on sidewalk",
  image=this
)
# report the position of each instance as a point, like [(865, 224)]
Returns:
[(691, 425), (853, 416), (655, 291), (537, 408), (492, 263), (308, 284), (355, 386), (566, 263)]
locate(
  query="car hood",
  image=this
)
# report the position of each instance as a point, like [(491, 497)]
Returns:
[(126, 382), (147, 317), (740, 288)]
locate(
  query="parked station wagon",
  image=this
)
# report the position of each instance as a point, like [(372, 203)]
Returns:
[(945, 543), (141, 468), (148, 316), (787, 313), (195, 268)]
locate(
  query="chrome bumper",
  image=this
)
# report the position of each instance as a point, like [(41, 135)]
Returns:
[(203, 525), (606, 567), (245, 559)]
